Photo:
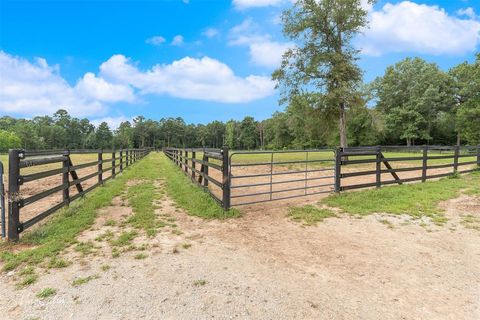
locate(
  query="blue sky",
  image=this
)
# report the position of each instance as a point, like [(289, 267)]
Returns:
[(200, 59)]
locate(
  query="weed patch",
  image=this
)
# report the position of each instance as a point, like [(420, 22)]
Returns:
[(309, 214), (47, 292)]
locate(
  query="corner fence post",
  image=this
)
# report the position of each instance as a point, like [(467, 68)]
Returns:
[(14, 229), (100, 166), (424, 163), (226, 179), (65, 178), (338, 169), (455, 159)]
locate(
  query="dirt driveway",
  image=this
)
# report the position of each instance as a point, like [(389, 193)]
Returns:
[(264, 266)]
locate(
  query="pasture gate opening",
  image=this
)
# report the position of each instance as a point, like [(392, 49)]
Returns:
[(249, 177), (59, 164)]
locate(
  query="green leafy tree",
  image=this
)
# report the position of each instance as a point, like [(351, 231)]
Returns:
[(248, 135), (412, 94), (9, 140), (323, 59), (466, 86)]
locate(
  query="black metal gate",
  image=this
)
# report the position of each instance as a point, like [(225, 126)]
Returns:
[(261, 176)]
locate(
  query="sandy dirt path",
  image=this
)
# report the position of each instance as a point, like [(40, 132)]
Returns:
[(264, 266)]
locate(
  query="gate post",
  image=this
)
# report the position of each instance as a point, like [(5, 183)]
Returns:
[(338, 169), (14, 228), (226, 179)]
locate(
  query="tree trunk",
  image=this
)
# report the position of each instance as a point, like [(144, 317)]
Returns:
[(459, 140), (409, 142), (343, 126)]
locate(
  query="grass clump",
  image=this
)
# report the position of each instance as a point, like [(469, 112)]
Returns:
[(309, 214), (27, 280), (58, 263), (80, 281), (198, 283), (124, 239), (140, 256), (189, 196), (416, 200), (47, 292)]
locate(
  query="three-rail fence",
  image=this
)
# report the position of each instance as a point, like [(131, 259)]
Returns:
[(53, 165)]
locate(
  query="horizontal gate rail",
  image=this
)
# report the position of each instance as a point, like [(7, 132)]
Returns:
[(20, 160), (264, 191)]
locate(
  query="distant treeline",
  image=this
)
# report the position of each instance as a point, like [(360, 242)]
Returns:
[(413, 103)]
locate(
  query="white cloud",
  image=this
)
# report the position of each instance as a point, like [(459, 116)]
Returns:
[(37, 88), (155, 40), (99, 89), (245, 4), (113, 122), (202, 79), (210, 32), (177, 40), (412, 27), (263, 50), (468, 12)]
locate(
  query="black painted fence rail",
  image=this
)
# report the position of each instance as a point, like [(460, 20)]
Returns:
[(113, 161), (218, 159)]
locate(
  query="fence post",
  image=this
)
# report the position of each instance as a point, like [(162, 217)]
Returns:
[(226, 179), (100, 166), (14, 228), (193, 165), (455, 159), (424, 163), (113, 163), (205, 170), (378, 166), (478, 155), (180, 159), (126, 157), (65, 178), (121, 160), (186, 161), (338, 169)]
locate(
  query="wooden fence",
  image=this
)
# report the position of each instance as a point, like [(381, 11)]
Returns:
[(112, 161), (215, 159), (447, 157), (350, 168)]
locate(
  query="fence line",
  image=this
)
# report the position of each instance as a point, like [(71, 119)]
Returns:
[(202, 177), (20, 159), (337, 181)]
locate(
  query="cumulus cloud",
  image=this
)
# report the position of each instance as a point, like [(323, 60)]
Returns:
[(412, 27), (245, 4), (99, 89), (190, 78), (37, 88), (177, 40), (468, 12), (210, 32), (155, 40), (113, 122), (263, 50)]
